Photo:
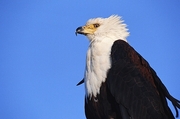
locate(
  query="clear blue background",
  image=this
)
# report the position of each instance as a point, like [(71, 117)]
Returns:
[(41, 59)]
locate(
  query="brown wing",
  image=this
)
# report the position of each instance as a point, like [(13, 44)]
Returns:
[(136, 87)]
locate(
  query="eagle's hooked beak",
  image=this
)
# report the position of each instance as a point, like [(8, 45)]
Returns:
[(87, 29), (79, 30)]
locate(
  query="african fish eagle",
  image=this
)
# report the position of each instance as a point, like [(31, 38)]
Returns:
[(119, 82)]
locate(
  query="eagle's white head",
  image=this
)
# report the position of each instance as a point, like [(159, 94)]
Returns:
[(112, 26), (102, 32)]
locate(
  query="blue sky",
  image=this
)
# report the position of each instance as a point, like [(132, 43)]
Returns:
[(41, 59)]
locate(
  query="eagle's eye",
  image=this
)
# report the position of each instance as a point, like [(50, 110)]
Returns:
[(96, 25)]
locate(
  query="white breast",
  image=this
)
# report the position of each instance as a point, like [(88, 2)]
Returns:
[(98, 63)]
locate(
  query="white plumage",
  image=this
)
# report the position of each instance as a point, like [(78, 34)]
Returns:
[(98, 55)]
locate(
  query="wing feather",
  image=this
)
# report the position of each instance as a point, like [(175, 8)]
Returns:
[(135, 85)]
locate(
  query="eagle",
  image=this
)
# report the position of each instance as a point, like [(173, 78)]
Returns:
[(119, 82)]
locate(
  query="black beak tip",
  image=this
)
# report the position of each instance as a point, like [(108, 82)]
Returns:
[(78, 30)]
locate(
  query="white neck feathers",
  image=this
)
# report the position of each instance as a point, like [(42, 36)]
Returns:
[(98, 60)]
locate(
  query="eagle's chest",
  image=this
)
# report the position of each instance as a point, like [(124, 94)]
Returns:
[(98, 62)]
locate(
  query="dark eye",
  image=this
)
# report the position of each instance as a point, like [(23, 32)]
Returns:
[(96, 25)]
